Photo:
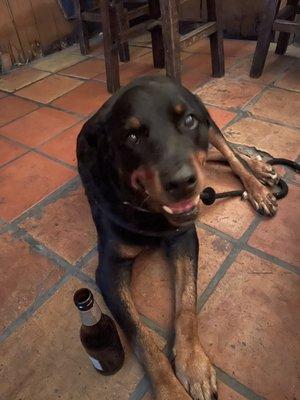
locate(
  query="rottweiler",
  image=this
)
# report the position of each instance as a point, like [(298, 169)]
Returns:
[(141, 158)]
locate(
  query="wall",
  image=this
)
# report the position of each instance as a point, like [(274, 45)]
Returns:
[(30, 28)]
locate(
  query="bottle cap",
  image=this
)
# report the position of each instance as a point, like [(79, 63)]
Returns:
[(83, 299)]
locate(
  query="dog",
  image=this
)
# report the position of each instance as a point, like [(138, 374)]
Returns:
[(141, 158)]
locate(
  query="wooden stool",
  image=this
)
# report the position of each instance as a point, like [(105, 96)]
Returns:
[(163, 24), (173, 42), (273, 19)]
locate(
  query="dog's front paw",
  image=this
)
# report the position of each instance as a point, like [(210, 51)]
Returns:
[(260, 197), (264, 172), (195, 371)]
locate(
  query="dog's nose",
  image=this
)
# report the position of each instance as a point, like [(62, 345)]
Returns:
[(182, 184)]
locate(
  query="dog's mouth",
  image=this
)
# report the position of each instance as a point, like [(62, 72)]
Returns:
[(182, 212)]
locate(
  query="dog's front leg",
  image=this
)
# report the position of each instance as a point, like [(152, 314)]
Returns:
[(193, 367), (259, 195), (113, 278)]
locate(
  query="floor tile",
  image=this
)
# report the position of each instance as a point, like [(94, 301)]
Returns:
[(63, 146), (86, 69), (239, 48), (90, 267), (203, 63), (13, 107), (231, 215), (28, 180), (220, 117), (152, 270), (130, 71), (213, 251), (137, 52), (279, 236), (273, 69), (65, 226), (249, 327), (277, 140), (38, 126), (291, 80), (25, 276), (9, 150), (226, 393), (226, 92), (278, 105), (21, 77), (60, 59), (85, 99), (66, 368), (49, 88), (192, 80), (3, 94)]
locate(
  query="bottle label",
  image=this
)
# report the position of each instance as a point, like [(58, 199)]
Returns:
[(96, 363)]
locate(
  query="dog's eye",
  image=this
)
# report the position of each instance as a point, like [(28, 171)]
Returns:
[(132, 138), (190, 122)]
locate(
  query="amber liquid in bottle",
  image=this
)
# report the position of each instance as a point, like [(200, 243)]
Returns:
[(98, 334)]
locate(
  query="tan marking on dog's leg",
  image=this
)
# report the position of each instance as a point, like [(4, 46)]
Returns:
[(193, 367), (147, 346)]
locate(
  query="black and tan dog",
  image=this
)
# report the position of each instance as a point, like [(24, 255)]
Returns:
[(140, 158)]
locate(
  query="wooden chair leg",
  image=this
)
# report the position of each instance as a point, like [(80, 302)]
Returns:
[(264, 38), (158, 50), (81, 29), (216, 39), (108, 20), (123, 25), (170, 26), (284, 37)]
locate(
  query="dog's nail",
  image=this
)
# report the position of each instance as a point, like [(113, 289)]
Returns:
[(245, 195), (259, 158)]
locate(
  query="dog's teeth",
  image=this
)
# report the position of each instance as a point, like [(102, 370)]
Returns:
[(197, 199), (168, 209)]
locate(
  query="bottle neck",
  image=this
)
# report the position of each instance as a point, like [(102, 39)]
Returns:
[(92, 316)]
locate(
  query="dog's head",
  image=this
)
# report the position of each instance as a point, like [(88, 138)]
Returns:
[(156, 133)]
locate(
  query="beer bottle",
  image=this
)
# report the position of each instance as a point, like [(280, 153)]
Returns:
[(98, 334)]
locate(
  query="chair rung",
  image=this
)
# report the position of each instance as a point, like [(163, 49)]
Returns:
[(286, 26), (142, 27), (139, 12), (203, 31)]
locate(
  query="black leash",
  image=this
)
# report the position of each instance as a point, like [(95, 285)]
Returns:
[(208, 195)]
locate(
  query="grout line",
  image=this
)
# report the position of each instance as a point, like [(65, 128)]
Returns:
[(57, 160), (272, 121), (61, 192), (41, 300), (246, 247), (217, 232), (236, 385), (203, 298), (140, 390), (164, 333), (272, 259)]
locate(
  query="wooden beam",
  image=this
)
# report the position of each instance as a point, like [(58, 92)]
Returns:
[(286, 26), (203, 31)]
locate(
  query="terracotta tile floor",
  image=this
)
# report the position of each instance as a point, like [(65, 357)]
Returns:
[(248, 284)]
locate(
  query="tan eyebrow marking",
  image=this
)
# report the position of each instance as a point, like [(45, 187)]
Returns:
[(133, 122), (179, 108)]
